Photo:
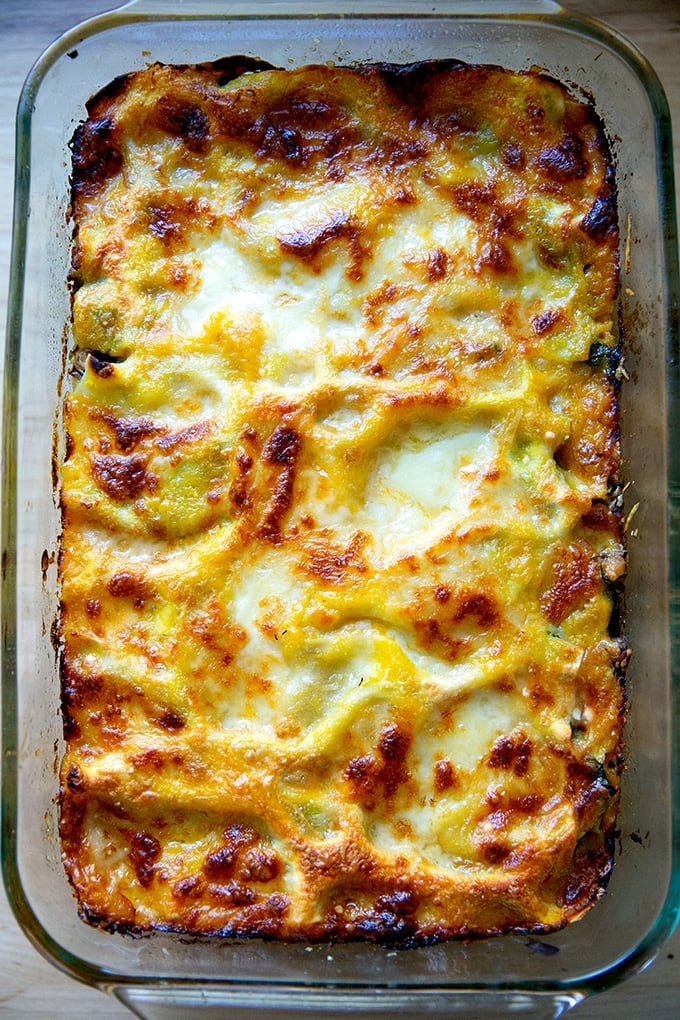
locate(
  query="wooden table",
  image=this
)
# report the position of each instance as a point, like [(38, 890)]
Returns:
[(31, 987)]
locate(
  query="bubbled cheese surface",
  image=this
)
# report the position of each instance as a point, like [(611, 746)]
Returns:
[(337, 650)]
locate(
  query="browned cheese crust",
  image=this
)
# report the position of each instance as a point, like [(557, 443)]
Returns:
[(342, 542)]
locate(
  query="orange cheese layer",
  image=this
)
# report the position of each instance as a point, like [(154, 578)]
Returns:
[(339, 643)]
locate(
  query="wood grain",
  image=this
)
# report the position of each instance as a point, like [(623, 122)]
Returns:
[(29, 985)]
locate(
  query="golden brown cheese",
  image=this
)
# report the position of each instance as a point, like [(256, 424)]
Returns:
[(341, 550)]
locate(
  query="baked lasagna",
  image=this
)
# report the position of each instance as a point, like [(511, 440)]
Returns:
[(340, 570)]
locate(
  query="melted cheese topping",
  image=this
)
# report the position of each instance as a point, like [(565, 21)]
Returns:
[(338, 555)]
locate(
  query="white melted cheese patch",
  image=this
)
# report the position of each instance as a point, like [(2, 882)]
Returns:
[(421, 481), (311, 317)]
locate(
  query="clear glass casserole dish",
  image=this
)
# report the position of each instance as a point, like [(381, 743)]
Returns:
[(161, 976)]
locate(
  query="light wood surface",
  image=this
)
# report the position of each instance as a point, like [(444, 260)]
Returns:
[(29, 985)]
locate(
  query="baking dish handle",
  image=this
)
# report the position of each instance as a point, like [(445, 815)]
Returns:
[(181, 8), (183, 1002)]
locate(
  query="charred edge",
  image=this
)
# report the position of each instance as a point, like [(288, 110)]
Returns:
[(608, 359), (97, 156), (388, 930), (227, 69), (601, 220), (596, 771), (102, 364), (324, 935), (591, 877), (616, 589), (55, 637), (602, 517), (620, 664), (70, 725), (409, 81)]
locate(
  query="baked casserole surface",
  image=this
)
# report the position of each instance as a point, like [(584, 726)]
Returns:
[(342, 553)]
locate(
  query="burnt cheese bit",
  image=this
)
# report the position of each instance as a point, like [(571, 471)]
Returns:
[(171, 720), (363, 775), (190, 887), (475, 198), (605, 356), (80, 689), (75, 779), (513, 156), (127, 584), (565, 161), (512, 752), (309, 243), (165, 222), (546, 321), (495, 255), (240, 847), (591, 870), (497, 221), (283, 446), (479, 605), (437, 264), (145, 850), (240, 491), (219, 864), (336, 565), (284, 142), (130, 431), (494, 851), (281, 450), (259, 865), (393, 747), (433, 635), (380, 774), (444, 775), (302, 128), (184, 119), (122, 478), (575, 577), (589, 788), (232, 894)]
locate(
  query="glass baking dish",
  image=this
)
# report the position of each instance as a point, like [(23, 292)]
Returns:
[(161, 976)]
